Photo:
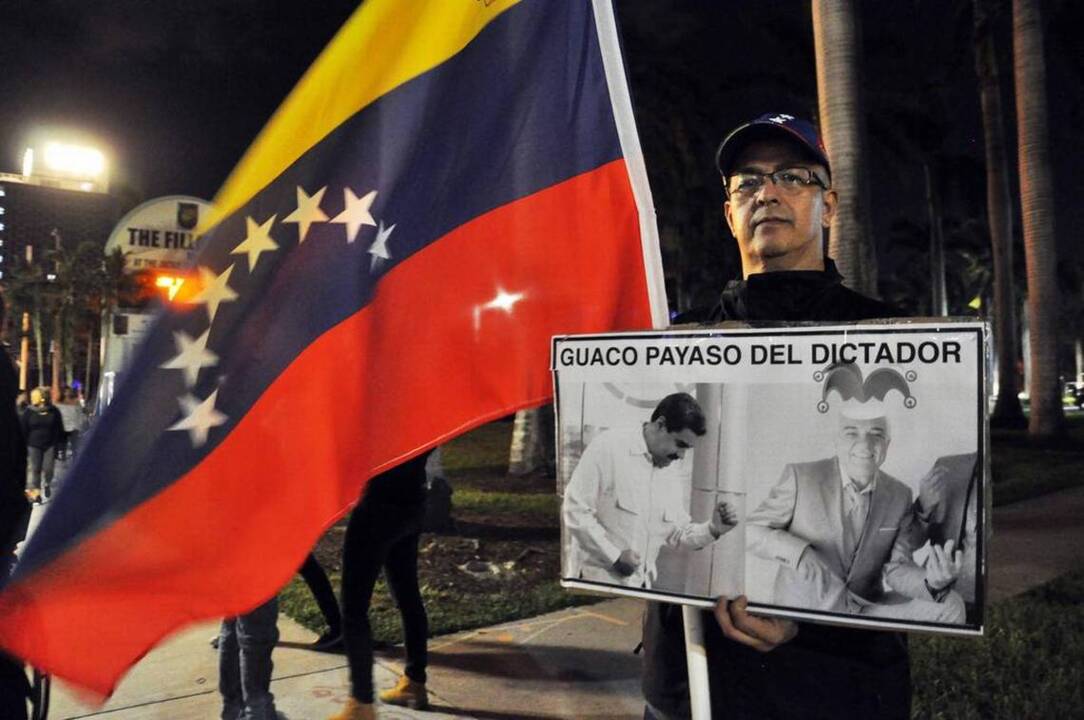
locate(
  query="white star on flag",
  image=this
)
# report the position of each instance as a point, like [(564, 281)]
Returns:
[(308, 212), (199, 417), (216, 290), (257, 240), (504, 301), (356, 213), (379, 248), (501, 301), (192, 355)]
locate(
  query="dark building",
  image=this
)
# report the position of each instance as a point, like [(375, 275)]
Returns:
[(32, 208), (34, 212)]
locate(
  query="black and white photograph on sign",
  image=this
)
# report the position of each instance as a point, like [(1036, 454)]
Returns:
[(826, 475), (631, 513)]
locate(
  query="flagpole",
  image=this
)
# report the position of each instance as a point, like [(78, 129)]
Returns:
[(617, 83), (610, 46), (697, 659)]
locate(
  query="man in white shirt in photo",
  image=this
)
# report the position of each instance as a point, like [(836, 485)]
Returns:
[(625, 500)]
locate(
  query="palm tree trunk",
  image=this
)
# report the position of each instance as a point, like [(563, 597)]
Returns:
[(836, 42), (1037, 209), (39, 350), (938, 301), (58, 354), (1078, 355), (532, 448), (90, 361), (24, 351), (1007, 409)]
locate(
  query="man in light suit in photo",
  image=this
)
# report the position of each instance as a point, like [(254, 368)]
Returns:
[(625, 499), (841, 529)]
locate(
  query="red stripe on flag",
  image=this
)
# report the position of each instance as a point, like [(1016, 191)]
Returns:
[(425, 361)]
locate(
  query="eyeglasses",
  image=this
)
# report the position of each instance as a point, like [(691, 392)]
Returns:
[(789, 180)]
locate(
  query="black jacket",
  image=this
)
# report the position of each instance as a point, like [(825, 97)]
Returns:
[(792, 296), (42, 426), (825, 672)]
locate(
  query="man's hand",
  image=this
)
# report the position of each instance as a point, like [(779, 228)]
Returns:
[(627, 563), (723, 519), (943, 566), (763, 634), (814, 570), (931, 490)]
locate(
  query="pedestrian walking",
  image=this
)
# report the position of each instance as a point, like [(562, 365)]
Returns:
[(74, 421), (43, 430)]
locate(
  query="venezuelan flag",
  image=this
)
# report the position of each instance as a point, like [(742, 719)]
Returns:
[(449, 185)]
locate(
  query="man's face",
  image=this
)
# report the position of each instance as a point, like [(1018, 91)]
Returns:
[(861, 446), (776, 229), (665, 446)]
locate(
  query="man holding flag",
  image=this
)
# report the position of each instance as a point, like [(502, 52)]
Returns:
[(448, 186)]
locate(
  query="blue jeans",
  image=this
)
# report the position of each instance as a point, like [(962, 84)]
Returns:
[(244, 663)]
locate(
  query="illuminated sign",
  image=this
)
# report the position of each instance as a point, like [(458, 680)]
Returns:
[(159, 234)]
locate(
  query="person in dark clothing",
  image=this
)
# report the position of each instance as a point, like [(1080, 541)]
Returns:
[(14, 517), (779, 200), (383, 532), (314, 576), (43, 430)]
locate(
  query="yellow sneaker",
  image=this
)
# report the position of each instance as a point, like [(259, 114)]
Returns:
[(407, 693), (355, 710)]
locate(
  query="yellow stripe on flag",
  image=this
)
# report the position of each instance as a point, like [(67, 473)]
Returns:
[(384, 44)]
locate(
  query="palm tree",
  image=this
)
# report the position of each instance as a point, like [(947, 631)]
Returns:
[(1007, 409), (80, 282), (25, 288), (837, 47), (1037, 210)]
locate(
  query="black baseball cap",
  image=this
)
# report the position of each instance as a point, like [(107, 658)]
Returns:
[(767, 126)]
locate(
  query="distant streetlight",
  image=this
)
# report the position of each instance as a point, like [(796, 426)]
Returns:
[(81, 166), (76, 160)]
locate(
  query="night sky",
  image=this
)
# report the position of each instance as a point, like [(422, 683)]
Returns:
[(177, 90)]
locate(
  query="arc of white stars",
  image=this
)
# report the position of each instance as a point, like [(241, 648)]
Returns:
[(216, 289), (356, 213), (257, 240), (503, 301), (307, 212), (379, 248), (199, 417), (192, 356)]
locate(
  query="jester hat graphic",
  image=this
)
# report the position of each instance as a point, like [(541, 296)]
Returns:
[(863, 398)]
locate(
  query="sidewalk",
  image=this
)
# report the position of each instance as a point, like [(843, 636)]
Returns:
[(576, 663)]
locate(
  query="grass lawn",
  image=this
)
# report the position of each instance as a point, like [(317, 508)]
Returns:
[(1030, 663), (1021, 468)]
